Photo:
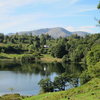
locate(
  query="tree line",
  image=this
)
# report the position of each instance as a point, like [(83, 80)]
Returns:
[(71, 49)]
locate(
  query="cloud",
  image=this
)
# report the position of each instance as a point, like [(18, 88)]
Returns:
[(17, 3), (81, 28), (87, 9), (12, 19), (20, 21), (7, 6), (12, 4)]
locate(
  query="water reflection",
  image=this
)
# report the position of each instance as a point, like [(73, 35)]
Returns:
[(41, 68), (24, 78), (36, 68), (73, 68)]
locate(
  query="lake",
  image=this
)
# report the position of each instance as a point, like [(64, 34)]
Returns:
[(24, 78)]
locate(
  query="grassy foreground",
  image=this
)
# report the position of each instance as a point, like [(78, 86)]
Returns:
[(89, 91)]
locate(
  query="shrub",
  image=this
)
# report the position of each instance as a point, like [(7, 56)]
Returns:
[(27, 58)]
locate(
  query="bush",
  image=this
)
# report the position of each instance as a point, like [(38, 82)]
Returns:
[(94, 71), (93, 56), (65, 59), (27, 58), (46, 85), (85, 77)]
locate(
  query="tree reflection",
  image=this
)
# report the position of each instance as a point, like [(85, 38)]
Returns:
[(44, 69)]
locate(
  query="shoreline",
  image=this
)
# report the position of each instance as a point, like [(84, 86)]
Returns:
[(16, 57), (86, 91)]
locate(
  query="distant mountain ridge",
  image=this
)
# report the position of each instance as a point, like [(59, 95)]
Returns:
[(81, 33), (54, 32)]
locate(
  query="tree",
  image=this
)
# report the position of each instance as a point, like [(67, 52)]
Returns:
[(65, 58), (42, 39), (60, 82), (78, 53), (46, 85), (93, 56), (74, 82), (31, 48), (94, 71), (85, 77), (28, 58), (58, 51), (1, 37), (98, 6)]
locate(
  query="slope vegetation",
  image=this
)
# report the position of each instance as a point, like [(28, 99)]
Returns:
[(89, 91)]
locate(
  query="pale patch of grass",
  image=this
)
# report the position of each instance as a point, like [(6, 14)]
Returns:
[(44, 58), (49, 58), (11, 97)]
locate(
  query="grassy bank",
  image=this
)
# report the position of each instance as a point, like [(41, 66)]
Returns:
[(89, 91), (43, 58), (49, 58), (9, 56), (11, 97)]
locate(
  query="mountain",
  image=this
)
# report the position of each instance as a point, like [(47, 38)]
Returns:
[(54, 32), (59, 32), (81, 33), (36, 32)]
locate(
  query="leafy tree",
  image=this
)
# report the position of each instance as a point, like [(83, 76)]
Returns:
[(58, 51), (93, 56), (66, 58), (74, 82), (1, 37), (28, 58), (94, 71), (85, 77), (46, 85), (42, 39), (98, 6), (31, 48), (60, 82)]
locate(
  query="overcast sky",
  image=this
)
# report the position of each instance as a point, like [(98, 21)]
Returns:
[(26, 15)]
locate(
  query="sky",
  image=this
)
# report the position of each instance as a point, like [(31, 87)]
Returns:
[(27, 15)]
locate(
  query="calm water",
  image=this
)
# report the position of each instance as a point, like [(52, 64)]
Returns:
[(24, 78)]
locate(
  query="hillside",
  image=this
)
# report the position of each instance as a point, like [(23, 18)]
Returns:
[(89, 91)]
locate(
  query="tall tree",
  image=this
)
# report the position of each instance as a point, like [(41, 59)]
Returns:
[(98, 5)]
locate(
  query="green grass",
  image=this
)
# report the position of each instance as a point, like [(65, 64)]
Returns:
[(89, 91), (49, 58), (9, 56), (11, 97), (45, 58)]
